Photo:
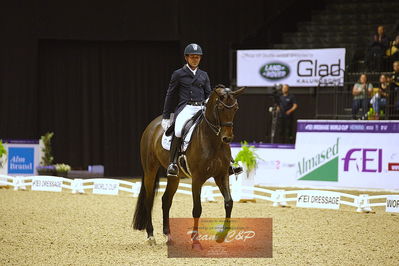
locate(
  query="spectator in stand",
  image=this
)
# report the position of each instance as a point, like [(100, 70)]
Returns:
[(379, 96), (286, 109), (393, 50), (395, 85), (376, 50), (360, 92)]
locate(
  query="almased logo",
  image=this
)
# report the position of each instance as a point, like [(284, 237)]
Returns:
[(274, 71), (323, 166)]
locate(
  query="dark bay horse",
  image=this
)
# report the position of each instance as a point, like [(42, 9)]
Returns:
[(208, 155)]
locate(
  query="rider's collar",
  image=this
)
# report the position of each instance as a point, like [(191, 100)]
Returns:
[(194, 71)]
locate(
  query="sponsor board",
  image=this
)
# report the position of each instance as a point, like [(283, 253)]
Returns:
[(361, 154), (275, 162), (392, 203), (21, 160), (23, 156), (47, 183), (105, 186), (299, 68), (318, 199), (339, 154), (246, 238)]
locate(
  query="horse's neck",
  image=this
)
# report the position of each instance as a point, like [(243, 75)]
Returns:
[(207, 136)]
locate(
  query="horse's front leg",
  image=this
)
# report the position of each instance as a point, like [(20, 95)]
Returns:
[(223, 183), (171, 187), (197, 210)]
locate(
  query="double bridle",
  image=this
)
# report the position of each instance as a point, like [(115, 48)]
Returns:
[(216, 128)]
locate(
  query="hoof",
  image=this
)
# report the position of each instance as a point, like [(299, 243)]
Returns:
[(150, 241), (196, 246), (168, 240), (221, 236)]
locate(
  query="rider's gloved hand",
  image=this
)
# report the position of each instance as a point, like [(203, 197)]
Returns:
[(165, 124)]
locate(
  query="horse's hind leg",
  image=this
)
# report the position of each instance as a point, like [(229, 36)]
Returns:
[(171, 187)]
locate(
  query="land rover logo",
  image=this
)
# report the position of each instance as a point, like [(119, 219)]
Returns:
[(274, 71)]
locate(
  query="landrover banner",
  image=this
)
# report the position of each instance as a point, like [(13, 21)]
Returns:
[(297, 68)]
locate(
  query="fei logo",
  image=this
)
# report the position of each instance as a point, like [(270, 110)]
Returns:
[(365, 160), (21, 160)]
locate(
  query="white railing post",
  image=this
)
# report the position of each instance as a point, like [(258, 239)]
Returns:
[(363, 203), (77, 186), (207, 194), (136, 189), (278, 198)]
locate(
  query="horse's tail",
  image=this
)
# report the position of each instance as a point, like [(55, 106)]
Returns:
[(141, 214)]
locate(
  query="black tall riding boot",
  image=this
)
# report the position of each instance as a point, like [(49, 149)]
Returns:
[(173, 169), (234, 169)]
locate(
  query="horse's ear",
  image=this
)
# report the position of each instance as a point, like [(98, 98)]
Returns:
[(239, 91)]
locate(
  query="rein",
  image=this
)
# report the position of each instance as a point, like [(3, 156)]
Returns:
[(216, 128)]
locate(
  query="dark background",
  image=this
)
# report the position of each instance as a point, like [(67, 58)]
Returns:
[(96, 72)]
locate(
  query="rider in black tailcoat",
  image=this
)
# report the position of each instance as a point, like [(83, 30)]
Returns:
[(188, 88)]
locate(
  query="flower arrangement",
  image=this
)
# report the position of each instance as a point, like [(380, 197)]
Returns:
[(247, 156), (62, 169)]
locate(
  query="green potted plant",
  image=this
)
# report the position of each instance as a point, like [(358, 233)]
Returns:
[(248, 158), (3, 157), (46, 166), (62, 169)]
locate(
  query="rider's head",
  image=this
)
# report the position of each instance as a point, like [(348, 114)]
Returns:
[(193, 54)]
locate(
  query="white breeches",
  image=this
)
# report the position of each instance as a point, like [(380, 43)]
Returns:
[(187, 112)]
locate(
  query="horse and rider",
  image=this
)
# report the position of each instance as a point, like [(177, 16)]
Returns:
[(189, 87), (208, 153)]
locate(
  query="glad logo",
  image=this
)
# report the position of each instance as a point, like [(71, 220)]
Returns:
[(365, 160)]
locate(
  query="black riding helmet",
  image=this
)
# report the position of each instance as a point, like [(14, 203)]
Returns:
[(193, 48)]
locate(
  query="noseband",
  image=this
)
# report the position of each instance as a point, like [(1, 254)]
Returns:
[(216, 128)]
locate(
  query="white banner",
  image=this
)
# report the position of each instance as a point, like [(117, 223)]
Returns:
[(333, 154), (351, 154), (297, 68), (318, 199), (47, 183), (275, 161), (392, 204), (106, 186)]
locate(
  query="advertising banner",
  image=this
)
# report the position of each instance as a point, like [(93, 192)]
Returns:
[(47, 183), (392, 204), (318, 199), (105, 186), (351, 154), (274, 162), (297, 68), (23, 156), (333, 154)]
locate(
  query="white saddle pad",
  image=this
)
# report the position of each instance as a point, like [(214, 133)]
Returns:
[(167, 140)]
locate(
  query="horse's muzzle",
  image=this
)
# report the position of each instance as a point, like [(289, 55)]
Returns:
[(227, 140)]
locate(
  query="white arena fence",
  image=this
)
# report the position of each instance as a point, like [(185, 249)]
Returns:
[(303, 198)]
